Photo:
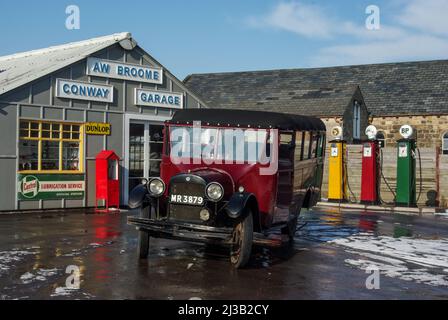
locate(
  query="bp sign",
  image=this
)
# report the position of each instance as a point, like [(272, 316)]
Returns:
[(50, 187)]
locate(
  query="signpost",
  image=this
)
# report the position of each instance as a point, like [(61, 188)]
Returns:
[(50, 186)]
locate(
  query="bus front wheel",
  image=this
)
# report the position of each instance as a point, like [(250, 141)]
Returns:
[(143, 235), (242, 240)]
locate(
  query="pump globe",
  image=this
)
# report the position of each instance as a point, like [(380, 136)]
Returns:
[(371, 132)]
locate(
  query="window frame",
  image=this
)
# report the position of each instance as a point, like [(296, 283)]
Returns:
[(61, 140), (356, 120), (307, 142), (444, 150)]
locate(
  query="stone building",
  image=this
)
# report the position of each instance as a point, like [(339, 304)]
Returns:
[(389, 95), (386, 95)]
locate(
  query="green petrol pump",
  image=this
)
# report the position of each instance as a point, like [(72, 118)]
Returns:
[(406, 164)]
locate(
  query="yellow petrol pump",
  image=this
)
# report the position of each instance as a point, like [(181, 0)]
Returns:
[(337, 173)]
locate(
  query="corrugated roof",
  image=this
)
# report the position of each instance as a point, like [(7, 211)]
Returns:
[(406, 88), (21, 68)]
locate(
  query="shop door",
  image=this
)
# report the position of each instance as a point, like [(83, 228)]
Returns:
[(145, 151)]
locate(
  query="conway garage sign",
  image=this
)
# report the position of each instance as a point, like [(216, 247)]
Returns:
[(50, 187), (84, 91), (144, 97)]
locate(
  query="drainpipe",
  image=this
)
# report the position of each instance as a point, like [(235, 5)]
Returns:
[(438, 175)]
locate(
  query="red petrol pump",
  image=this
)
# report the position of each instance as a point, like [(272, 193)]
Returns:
[(107, 181), (370, 178)]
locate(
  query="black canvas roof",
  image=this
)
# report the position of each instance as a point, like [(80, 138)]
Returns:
[(246, 118)]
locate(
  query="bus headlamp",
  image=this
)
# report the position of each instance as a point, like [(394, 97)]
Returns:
[(214, 191), (156, 187)]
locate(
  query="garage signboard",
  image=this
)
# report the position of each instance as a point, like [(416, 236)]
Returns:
[(50, 186), (124, 71), (163, 99), (84, 91)]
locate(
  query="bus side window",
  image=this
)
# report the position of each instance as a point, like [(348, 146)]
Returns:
[(286, 145), (298, 152), (314, 144), (321, 146), (306, 145)]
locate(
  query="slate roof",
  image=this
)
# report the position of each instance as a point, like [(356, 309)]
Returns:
[(407, 88), (20, 68)]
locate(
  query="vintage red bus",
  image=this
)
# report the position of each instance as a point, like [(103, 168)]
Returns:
[(231, 177)]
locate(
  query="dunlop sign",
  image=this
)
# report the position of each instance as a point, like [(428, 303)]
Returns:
[(97, 128)]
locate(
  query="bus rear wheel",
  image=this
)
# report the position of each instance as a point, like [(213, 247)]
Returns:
[(242, 240), (290, 229)]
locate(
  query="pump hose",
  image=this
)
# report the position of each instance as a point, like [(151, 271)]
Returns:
[(420, 173), (385, 180)]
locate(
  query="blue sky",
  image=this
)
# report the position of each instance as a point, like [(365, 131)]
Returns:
[(199, 36)]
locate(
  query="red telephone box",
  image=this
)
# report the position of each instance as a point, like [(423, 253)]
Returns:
[(370, 169), (107, 181)]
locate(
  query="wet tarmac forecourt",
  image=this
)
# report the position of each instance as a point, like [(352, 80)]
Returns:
[(336, 255)]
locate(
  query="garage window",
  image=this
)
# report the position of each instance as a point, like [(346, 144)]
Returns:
[(50, 147)]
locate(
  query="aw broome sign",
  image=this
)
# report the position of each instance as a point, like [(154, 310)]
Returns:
[(144, 97), (97, 128), (124, 71), (50, 186), (84, 91)]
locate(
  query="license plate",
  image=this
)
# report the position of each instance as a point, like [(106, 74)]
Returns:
[(193, 200)]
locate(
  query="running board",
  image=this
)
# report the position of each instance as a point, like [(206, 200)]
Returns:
[(272, 240)]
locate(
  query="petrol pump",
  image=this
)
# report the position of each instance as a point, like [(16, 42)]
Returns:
[(406, 160), (337, 173), (370, 178)]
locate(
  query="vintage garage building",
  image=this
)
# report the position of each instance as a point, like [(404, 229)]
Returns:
[(60, 106)]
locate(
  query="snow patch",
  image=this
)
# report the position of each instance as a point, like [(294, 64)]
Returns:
[(63, 291), (409, 259), (10, 258), (69, 292), (95, 244), (38, 275)]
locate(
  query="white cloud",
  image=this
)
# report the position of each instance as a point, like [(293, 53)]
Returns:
[(313, 21), (426, 15), (418, 33), (305, 20), (408, 48)]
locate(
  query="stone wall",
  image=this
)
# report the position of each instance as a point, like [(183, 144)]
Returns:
[(430, 129), (331, 123)]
